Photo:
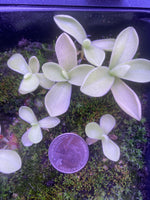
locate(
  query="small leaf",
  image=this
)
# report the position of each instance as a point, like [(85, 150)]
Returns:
[(17, 63), (25, 139), (44, 82), (107, 123), (110, 149), (71, 26), (105, 44), (139, 71), (90, 141), (66, 52), (57, 100), (126, 99), (10, 161), (78, 73), (120, 70), (29, 84), (34, 64), (97, 82), (125, 47), (94, 55), (49, 122), (35, 134), (53, 72), (27, 115), (94, 131)]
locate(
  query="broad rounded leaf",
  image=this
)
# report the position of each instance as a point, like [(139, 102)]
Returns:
[(53, 72), (27, 115), (57, 100), (94, 55), (34, 64), (10, 161), (71, 26), (25, 139), (110, 149), (97, 82), (105, 44), (66, 52), (17, 63), (139, 71), (107, 123), (94, 131), (120, 70), (78, 73), (90, 141), (125, 47), (126, 99), (29, 85), (35, 134), (44, 82), (49, 122)]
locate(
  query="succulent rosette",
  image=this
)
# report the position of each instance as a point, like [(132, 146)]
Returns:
[(93, 50), (34, 134), (100, 131), (122, 66), (66, 73), (31, 76)]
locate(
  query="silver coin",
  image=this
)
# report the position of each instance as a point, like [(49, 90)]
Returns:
[(68, 153)]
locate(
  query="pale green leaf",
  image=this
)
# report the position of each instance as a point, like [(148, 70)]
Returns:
[(27, 115), (34, 64), (35, 134), (94, 131), (126, 99), (78, 73), (97, 82), (125, 47), (110, 149), (17, 63), (120, 70), (53, 72), (57, 100), (10, 161), (71, 26), (105, 44), (66, 52), (94, 55), (44, 82), (107, 123), (139, 71), (25, 139), (29, 84), (49, 122)]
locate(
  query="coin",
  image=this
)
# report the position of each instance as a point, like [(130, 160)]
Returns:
[(68, 153)]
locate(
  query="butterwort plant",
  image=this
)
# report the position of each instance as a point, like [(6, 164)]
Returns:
[(65, 73), (122, 65), (93, 50), (100, 131), (30, 71), (34, 134), (10, 160)]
